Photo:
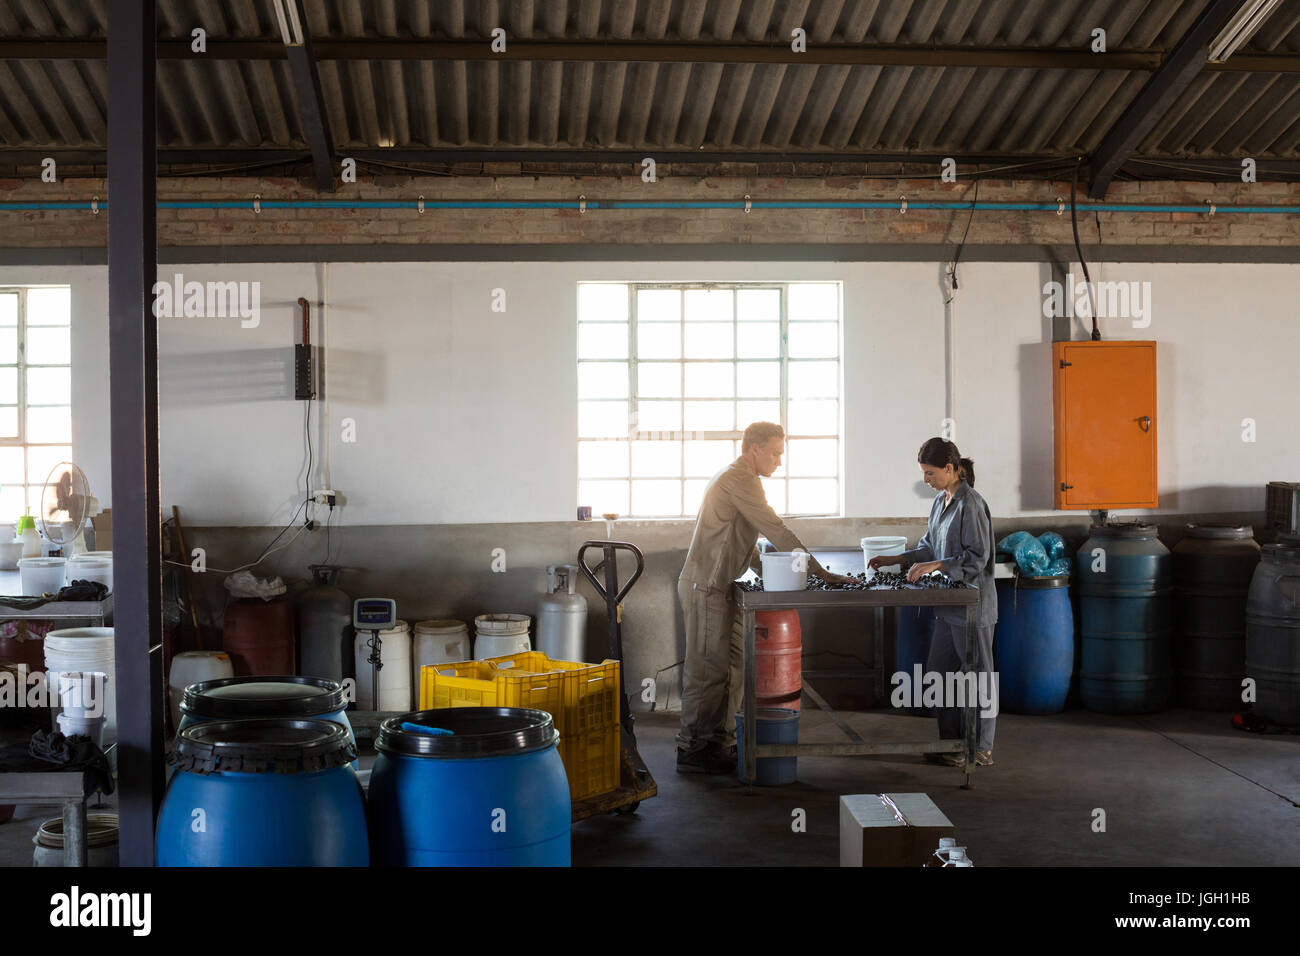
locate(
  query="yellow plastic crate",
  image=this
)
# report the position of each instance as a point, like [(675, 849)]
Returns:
[(591, 761), (591, 696), (481, 684), (582, 699)]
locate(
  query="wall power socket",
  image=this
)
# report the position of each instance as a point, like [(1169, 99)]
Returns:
[(326, 496)]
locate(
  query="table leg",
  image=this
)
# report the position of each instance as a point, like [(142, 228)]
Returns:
[(750, 770), (971, 711), (878, 658), (74, 832)]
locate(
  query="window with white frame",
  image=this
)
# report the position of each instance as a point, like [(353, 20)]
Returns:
[(35, 392), (669, 375)]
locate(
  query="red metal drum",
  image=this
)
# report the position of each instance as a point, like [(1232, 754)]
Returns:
[(778, 659), (23, 642), (259, 637)]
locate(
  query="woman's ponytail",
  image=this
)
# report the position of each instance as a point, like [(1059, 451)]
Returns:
[(967, 471)]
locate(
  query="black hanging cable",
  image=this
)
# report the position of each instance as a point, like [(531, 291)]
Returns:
[(1087, 280), (962, 245)]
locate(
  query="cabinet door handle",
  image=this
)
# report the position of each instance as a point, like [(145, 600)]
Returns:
[(1145, 423)]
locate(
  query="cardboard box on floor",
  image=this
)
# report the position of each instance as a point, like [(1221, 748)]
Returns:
[(871, 833)]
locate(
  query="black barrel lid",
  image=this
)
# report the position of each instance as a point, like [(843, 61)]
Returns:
[(1124, 529), (1041, 581), (238, 698), (1221, 532), (263, 745), (475, 732)]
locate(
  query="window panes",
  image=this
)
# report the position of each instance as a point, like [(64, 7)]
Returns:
[(814, 300), (8, 309), (759, 379), (41, 460), (602, 302), (710, 380), (702, 364), (759, 340), (13, 499), (706, 340), (9, 387), (658, 305), (49, 346), (812, 457), (813, 379), (8, 421), (659, 340), (602, 380), (49, 306), (8, 346), (49, 424), (709, 305), (602, 340), (45, 386), (13, 470), (758, 305), (659, 379), (599, 459), (707, 458), (814, 339), (602, 419), (657, 459)]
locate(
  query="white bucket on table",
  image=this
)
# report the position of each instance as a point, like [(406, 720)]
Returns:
[(496, 635), (782, 570), (881, 545), (84, 568), (84, 650), (394, 672), (42, 575)]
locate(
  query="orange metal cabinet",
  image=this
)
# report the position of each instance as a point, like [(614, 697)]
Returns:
[(1105, 399)]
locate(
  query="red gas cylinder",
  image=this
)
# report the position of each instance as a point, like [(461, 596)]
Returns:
[(778, 659), (258, 636), (23, 642)]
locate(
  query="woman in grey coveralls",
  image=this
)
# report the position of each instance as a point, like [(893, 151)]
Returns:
[(959, 542)]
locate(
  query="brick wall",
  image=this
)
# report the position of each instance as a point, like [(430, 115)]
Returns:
[(206, 227)]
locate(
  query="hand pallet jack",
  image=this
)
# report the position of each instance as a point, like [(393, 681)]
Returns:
[(635, 782)]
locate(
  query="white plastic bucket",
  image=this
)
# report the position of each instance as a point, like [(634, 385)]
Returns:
[(438, 642), (394, 675), (42, 575), (101, 841), (880, 545), (496, 635), (92, 727), (84, 568), (191, 667), (782, 570), (84, 650), (11, 553)]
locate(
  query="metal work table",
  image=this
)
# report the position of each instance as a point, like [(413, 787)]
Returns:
[(66, 613), (66, 788), (751, 602)]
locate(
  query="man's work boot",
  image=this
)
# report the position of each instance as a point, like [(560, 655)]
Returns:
[(708, 759)]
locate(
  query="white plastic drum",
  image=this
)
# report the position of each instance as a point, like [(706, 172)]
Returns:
[(85, 650), (394, 675), (882, 544), (83, 568), (438, 642), (496, 635), (190, 667)]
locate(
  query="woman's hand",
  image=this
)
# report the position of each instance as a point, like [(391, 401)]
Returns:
[(923, 567), (881, 560)]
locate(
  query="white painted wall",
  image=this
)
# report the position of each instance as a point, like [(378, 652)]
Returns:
[(468, 415)]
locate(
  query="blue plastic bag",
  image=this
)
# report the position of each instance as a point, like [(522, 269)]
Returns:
[(1054, 545), (1031, 556), (1059, 567)]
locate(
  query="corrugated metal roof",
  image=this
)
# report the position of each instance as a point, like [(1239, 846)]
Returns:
[(717, 106)]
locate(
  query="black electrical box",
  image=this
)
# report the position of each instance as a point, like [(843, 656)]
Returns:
[(307, 381)]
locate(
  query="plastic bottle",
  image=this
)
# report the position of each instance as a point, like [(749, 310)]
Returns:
[(30, 537)]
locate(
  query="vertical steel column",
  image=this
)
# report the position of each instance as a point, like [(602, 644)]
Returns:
[(133, 378), (970, 713), (750, 734)]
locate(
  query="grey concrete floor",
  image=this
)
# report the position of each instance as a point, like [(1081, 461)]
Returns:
[(1180, 788)]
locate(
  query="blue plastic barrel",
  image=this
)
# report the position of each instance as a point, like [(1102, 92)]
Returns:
[(776, 725), (1033, 644), (1126, 589), (1273, 633), (492, 792), (242, 698), (915, 631), (263, 792)]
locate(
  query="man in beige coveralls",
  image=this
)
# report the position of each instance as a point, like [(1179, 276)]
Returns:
[(734, 513)]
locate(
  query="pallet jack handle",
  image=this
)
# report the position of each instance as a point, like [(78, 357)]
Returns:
[(613, 600)]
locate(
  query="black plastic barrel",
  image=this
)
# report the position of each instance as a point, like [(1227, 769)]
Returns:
[(1126, 591), (1213, 566), (1273, 632)]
